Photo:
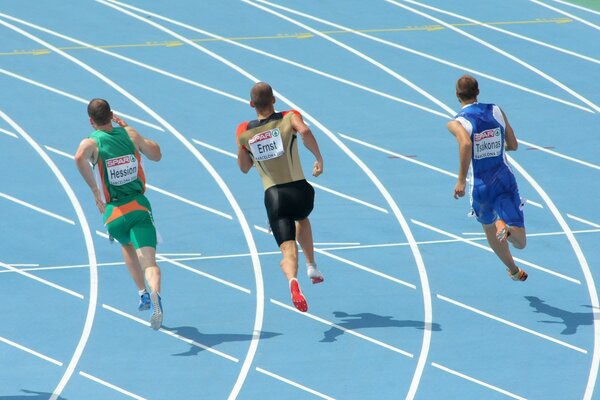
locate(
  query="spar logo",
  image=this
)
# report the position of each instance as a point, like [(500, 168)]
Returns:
[(115, 162), (264, 136), (490, 133)]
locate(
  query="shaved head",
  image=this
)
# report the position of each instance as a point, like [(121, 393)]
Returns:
[(467, 88), (261, 95), (99, 111)]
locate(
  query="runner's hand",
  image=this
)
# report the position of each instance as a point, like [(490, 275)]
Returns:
[(119, 121), (99, 202), (317, 168), (459, 189)]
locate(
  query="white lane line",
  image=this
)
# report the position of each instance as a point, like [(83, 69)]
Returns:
[(351, 263), (111, 386), (412, 160), (41, 280), (36, 208), (584, 221), (273, 253), (477, 381), (366, 269), (511, 324), (159, 190), (572, 16), (9, 133), (557, 154), (347, 197), (202, 273), (313, 183), (295, 384), (394, 154), (345, 330), (192, 203), (497, 50), (336, 244), (172, 334), (433, 58), (427, 308), (473, 243), (357, 53), (566, 3), (71, 96), (87, 235), (180, 255), (30, 351), (18, 265), (509, 33)]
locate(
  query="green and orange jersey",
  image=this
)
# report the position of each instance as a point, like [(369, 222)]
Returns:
[(273, 146), (119, 170)]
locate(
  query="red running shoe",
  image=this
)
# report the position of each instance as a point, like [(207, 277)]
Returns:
[(297, 297)]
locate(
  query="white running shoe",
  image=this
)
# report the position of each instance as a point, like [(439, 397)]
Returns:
[(157, 311), (314, 274)]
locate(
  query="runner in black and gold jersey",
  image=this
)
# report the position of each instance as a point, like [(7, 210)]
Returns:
[(270, 143), (119, 193)]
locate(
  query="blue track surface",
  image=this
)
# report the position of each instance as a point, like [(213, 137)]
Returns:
[(414, 305)]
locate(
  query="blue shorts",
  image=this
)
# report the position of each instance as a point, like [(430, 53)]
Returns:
[(498, 198)]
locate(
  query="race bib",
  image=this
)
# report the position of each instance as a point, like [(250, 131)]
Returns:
[(487, 144), (266, 145), (122, 170)]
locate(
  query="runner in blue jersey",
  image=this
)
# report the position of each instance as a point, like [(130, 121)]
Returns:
[(483, 135)]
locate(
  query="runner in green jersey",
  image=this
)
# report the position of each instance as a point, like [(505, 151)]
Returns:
[(118, 188)]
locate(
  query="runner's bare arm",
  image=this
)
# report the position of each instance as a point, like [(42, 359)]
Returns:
[(88, 153), (243, 159), (510, 139), (464, 154), (309, 142), (146, 146)]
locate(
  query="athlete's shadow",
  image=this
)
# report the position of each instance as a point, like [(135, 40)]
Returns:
[(370, 320), (571, 320), (211, 339), (31, 395)]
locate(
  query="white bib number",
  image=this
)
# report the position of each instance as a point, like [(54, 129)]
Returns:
[(122, 170), (266, 145), (487, 144)]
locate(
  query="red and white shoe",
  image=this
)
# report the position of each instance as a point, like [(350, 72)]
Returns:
[(502, 231), (314, 274), (520, 275), (297, 297)]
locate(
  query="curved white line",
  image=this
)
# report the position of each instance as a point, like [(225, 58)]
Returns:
[(589, 278), (497, 50), (241, 218), (428, 56), (89, 244), (558, 10), (565, 227), (394, 207)]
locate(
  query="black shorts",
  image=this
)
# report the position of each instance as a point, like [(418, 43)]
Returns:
[(286, 204)]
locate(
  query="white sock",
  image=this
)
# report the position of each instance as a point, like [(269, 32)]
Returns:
[(141, 292)]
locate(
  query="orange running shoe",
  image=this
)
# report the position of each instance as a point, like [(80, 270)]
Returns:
[(297, 297), (520, 275)]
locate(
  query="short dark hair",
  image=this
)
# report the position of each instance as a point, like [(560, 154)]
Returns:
[(261, 95), (99, 111), (467, 88)]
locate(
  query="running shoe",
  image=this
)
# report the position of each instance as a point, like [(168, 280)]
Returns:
[(157, 311), (144, 302), (297, 297), (314, 274), (502, 231), (520, 275)]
